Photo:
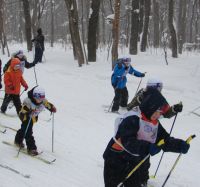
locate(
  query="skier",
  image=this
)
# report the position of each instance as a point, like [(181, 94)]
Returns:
[(13, 80), (31, 107), (136, 137), (118, 80), (23, 61), (39, 46), (0, 74), (156, 84)]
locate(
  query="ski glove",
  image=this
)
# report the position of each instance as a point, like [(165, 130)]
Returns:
[(154, 149), (26, 87), (142, 75), (53, 109), (178, 107), (184, 147)]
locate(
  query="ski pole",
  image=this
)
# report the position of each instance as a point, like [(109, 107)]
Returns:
[(53, 133), (178, 158), (29, 122), (139, 84), (160, 143), (163, 151), (35, 76), (110, 105)]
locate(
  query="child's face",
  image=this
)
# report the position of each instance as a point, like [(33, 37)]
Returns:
[(38, 101), (156, 115), (16, 67)]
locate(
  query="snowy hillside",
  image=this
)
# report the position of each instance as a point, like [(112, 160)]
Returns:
[(83, 128)]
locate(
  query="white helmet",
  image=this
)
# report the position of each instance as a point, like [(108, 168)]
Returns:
[(155, 83), (39, 93)]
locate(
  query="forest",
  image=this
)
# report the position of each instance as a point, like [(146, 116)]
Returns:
[(92, 25)]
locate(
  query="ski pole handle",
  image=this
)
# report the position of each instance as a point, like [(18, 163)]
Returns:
[(190, 138)]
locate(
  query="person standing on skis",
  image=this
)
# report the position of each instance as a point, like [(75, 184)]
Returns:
[(31, 107), (119, 80)]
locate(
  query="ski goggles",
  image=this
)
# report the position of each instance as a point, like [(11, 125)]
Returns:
[(39, 96)]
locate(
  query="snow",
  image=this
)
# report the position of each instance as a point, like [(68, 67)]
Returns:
[(82, 128)]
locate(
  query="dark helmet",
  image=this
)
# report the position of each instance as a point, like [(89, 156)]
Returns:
[(153, 101)]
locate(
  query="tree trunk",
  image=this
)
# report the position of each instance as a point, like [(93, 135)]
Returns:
[(191, 21), (134, 27), (27, 17), (172, 29), (92, 31), (52, 23), (181, 25), (156, 18), (147, 5), (115, 32), (74, 30)]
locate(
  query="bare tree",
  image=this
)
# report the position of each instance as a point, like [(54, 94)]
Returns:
[(92, 30), (115, 32), (172, 29), (74, 30), (147, 5), (52, 22), (3, 38), (134, 27), (27, 17), (181, 25), (156, 24)]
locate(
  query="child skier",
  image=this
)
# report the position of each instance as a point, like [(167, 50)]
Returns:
[(156, 84), (118, 80), (23, 61), (13, 80), (31, 107), (137, 135)]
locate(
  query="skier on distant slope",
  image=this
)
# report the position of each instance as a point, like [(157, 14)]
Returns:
[(119, 80), (39, 46), (13, 80), (32, 106), (156, 84), (137, 136)]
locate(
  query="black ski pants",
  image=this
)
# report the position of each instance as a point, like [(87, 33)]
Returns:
[(116, 170), (30, 141), (11, 97), (120, 99)]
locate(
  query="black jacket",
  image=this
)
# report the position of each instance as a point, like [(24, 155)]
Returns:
[(127, 132)]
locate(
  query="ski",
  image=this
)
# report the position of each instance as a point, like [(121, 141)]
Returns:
[(38, 157), (15, 171), (196, 114), (7, 127)]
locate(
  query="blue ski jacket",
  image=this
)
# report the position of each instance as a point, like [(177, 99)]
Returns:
[(118, 78)]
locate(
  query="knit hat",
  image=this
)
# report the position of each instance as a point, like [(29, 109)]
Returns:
[(153, 101), (39, 93), (155, 83)]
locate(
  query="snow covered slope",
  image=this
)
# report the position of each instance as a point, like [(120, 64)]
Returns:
[(83, 129)]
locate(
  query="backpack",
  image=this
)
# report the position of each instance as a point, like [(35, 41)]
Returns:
[(6, 66)]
